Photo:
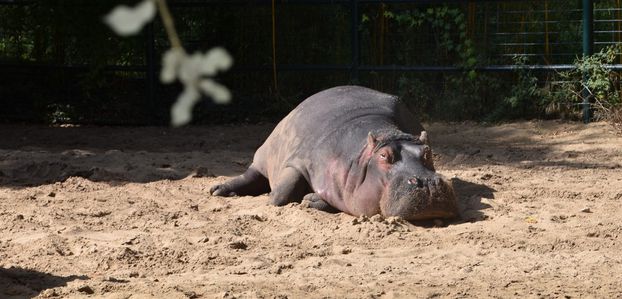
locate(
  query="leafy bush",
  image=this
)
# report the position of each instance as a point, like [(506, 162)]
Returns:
[(460, 95), (524, 97), (590, 79)]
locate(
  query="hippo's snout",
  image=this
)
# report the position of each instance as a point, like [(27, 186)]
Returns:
[(441, 200), (422, 198)]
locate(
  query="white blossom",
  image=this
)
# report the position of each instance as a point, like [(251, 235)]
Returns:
[(190, 70), (171, 61), (219, 93), (126, 20), (216, 59), (194, 72), (181, 112)]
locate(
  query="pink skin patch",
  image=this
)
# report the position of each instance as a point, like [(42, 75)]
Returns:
[(356, 189)]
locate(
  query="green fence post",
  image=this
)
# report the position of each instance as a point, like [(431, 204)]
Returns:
[(588, 42)]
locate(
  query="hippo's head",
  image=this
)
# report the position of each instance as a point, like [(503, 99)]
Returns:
[(413, 190)]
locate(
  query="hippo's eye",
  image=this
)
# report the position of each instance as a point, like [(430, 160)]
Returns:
[(386, 157)]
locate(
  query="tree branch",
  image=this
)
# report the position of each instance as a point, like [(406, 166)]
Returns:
[(169, 25)]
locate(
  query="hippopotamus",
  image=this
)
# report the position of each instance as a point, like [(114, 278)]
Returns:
[(352, 149)]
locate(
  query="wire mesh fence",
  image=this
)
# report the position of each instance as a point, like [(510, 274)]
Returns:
[(59, 64)]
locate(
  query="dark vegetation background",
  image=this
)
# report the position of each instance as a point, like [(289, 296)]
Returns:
[(60, 64)]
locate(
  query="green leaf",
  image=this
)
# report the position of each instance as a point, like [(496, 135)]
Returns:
[(471, 62), (459, 19)]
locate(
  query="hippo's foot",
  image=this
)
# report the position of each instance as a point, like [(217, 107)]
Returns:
[(221, 190), (316, 202), (252, 182)]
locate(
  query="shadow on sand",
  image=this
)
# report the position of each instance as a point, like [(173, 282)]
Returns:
[(37, 155), (470, 197), (24, 283)]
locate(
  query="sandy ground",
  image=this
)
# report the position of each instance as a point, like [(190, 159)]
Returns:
[(125, 213)]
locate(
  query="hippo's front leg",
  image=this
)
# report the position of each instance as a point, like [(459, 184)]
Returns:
[(290, 187), (318, 203), (251, 182)]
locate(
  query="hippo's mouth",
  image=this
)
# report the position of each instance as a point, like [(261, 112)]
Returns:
[(429, 215), (415, 202)]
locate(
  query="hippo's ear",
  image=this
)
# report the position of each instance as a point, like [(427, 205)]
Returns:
[(372, 141), (424, 137)]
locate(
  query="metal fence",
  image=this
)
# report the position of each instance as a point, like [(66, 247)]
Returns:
[(550, 33)]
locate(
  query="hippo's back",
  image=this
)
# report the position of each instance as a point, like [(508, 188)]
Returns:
[(341, 105)]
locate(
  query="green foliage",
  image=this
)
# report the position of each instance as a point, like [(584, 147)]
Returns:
[(451, 97), (60, 114), (457, 96), (524, 97), (590, 78), (448, 25), (417, 94), (63, 32), (599, 83)]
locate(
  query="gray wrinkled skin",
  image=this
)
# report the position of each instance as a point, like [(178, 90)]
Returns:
[(351, 148)]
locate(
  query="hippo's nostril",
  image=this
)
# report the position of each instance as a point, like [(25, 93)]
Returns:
[(416, 181)]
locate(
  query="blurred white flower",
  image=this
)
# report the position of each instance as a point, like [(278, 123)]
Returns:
[(193, 71), (181, 112), (219, 93), (171, 61), (126, 20), (217, 59)]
